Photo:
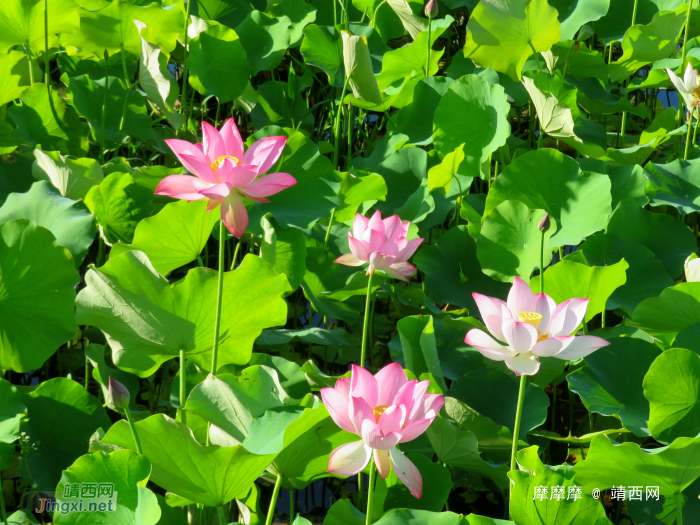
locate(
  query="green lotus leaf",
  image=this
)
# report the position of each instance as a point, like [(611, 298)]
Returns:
[(23, 23), (504, 35), (416, 119), (573, 15), (265, 38), (72, 177), (613, 25), (300, 15), (485, 107), (174, 237), (59, 403), (102, 372), (209, 475), (285, 250), (277, 106), (37, 286), (11, 412), (15, 73), (358, 191), (677, 308), (605, 391), (419, 346), (322, 47), (546, 179), (132, 504), (676, 184)]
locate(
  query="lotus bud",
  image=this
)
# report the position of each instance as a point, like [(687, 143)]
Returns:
[(545, 223), (118, 394), (106, 55), (431, 9)]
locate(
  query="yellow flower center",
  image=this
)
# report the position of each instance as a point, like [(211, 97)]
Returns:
[(218, 162), (378, 411), (532, 318)]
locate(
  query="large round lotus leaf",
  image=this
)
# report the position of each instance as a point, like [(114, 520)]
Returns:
[(14, 70), (605, 391), (148, 321), (670, 239), (12, 411), (610, 464), (527, 507), (672, 387), (111, 28), (214, 54), (416, 119), (676, 184), (37, 295), (546, 179), (210, 475), (126, 473), (175, 236), (322, 47), (265, 39), (677, 307), (22, 22), (452, 271), (614, 24), (62, 416), (72, 177), (568, 279), (510, 240), (125, 113), (68, 220), (485, 107), (503, 35), (573, 15), (316, 191)]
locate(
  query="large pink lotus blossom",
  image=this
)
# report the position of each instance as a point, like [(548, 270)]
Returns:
[(531, 326), (383, 244), (224, 173), (384, 410)]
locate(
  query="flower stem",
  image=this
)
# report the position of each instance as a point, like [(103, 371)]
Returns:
[(516, 429), (217, 321), (104, 111), (366, 322), (183, 390), (623, 127), (122, 54), (370, 489), (222, 517), (2, 502), (183, 99), (87, 374), (338, 115), (685, 36), (427, 62), (46, 44), (679, 504), (132, 426), (542, 263), (687, 138), (273, 502), (328, 231)]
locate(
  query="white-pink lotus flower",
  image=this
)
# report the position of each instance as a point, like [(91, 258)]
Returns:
[(381, 243), (384, 410), (224, 173), (531, 326)]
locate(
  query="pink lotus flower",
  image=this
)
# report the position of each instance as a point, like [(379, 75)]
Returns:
[(383, 244), (384, 410), (224, 173), (531, 326)]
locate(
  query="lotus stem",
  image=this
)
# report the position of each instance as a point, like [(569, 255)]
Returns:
[(679, 506), (542, 262), (104, 116), (46, 44), (273, 502), (366, 322), (337, 123), (623, 127), (132, 426), (126, 73), (219, 293), (687, 137), (427, 62), (222, 517), (235, 255), (29, 61), (183, 99), (2, 502), (370, 489), (291, 506), (328, 231), (87, 373), (183, 389), (516, 430)]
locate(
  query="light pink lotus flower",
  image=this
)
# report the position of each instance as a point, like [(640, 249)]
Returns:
[(384, 410), (224, 173), (383, 244), (531, 326)]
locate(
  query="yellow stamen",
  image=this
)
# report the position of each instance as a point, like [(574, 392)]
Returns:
[(532, 318), (218, 162), (378, 411)]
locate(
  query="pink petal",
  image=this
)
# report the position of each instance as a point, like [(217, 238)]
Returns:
[(381, 459), (552, 346), (380, 260), (415, 429), (391, 247), (373, 239), (581, 346), (358, 248), (392, 227), (214, 146), (239, 175), (360, 412), (568, 316), (338, 408), (374, 438), (395, 274), (342, 385), (520, 298), (179, 187), (217, 191), (392, 419), (390, 379), (676, 81), (212, 204), (234, 214), (264, 153), (430, 402), (359, 225), (409, 249), (545, 306), (232, 139), (418, 395), (487, 346), (520, 336), (405, 395), (192, 158), (269, 185), (349, 260), (404, 268), (407, 472), (364, 385), (689, 77), (377, 224), (349, 459), (523, 364), (492, 311)]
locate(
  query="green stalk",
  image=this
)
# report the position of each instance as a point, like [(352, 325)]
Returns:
[(370, 489), (235, 255), (291, 506), (273, 503), (685, 36), (2, 501), (122, 54), (183, 389), (104, 112), (46, 43), (687, 138), (337, 123), (695, 130), (366, 322), (217, 321), (458, 204), (121, 121), (222, 517), (132, 426), (29, 61), (542, 263), (348, 130), (87, 373), (427, 62), (624, 113), (679, 508), (328, 231), (516, 429), (183, 99)]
